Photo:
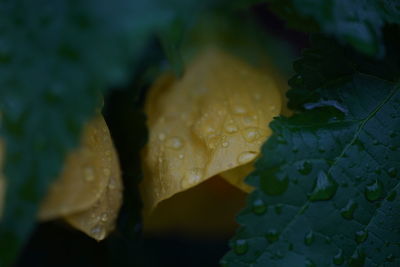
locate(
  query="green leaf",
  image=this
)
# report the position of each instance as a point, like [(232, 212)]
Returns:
[(340, 204), (326, 61), (358, 23), (56, 58)]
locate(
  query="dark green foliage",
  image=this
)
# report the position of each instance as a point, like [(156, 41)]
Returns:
[(358, 23), (341, 165), (57, 57)]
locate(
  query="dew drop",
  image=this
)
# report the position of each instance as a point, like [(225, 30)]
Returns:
[(338, 259), (348, 211), (181, 156), (174, 143), (272, 108), (192, 177), (98, 231), (272, 184), (231, 128), (240, 246), (88, 174), (309, 263), (251, 134), (392, 172), (309, 238), (259, 207), (225, 144), (374, 191), (361, 236), (357, 259), (161, 136), (390, 258), (325, 187), (239, 110), (305, 168), (104, 217), (245, 157), (272, 235)]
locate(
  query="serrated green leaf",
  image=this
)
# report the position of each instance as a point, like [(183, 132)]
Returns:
[(348, 216), (326, 61), (358, 23)]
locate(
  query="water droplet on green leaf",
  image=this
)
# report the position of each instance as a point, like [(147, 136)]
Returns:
[(325, 187), (338, 259), (305, 168), (361, 236), (259, 207), (392, 196), (273, 185), (272, 235), (357, 259), (348, 211), (241, 246), (309, 238), (374, 191)]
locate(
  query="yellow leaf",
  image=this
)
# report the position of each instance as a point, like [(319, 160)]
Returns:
[(88, 193), (212, 121)]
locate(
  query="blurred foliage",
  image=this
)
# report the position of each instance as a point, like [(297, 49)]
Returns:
[(358, 23)]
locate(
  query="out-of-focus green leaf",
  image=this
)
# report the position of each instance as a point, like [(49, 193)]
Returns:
[(56, 58), (358, 23)]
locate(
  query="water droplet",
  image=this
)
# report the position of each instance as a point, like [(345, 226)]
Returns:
[(231, 128), (112, 184), (225, 144), (338, 259), (305, 168), (295, 149), (106, 171), (259, 207), (390, 258), (309, 238), (161, 136), (89, 174), (357, 259), (240, 246), (374, 191), (309, 263), (192, 177), (251, 134), (325, 187), (272, 108), (278, 208), (392, 172), (181, 156), (174, 143), (245, 157), (239, 110), (272, 235), (392, 196), (98, 231), (361, 236), (104, 217), (348, 211), (272, 184), (375, 142)]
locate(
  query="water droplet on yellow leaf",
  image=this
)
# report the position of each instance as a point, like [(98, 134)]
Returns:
[(89, 185), (224, 116)]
